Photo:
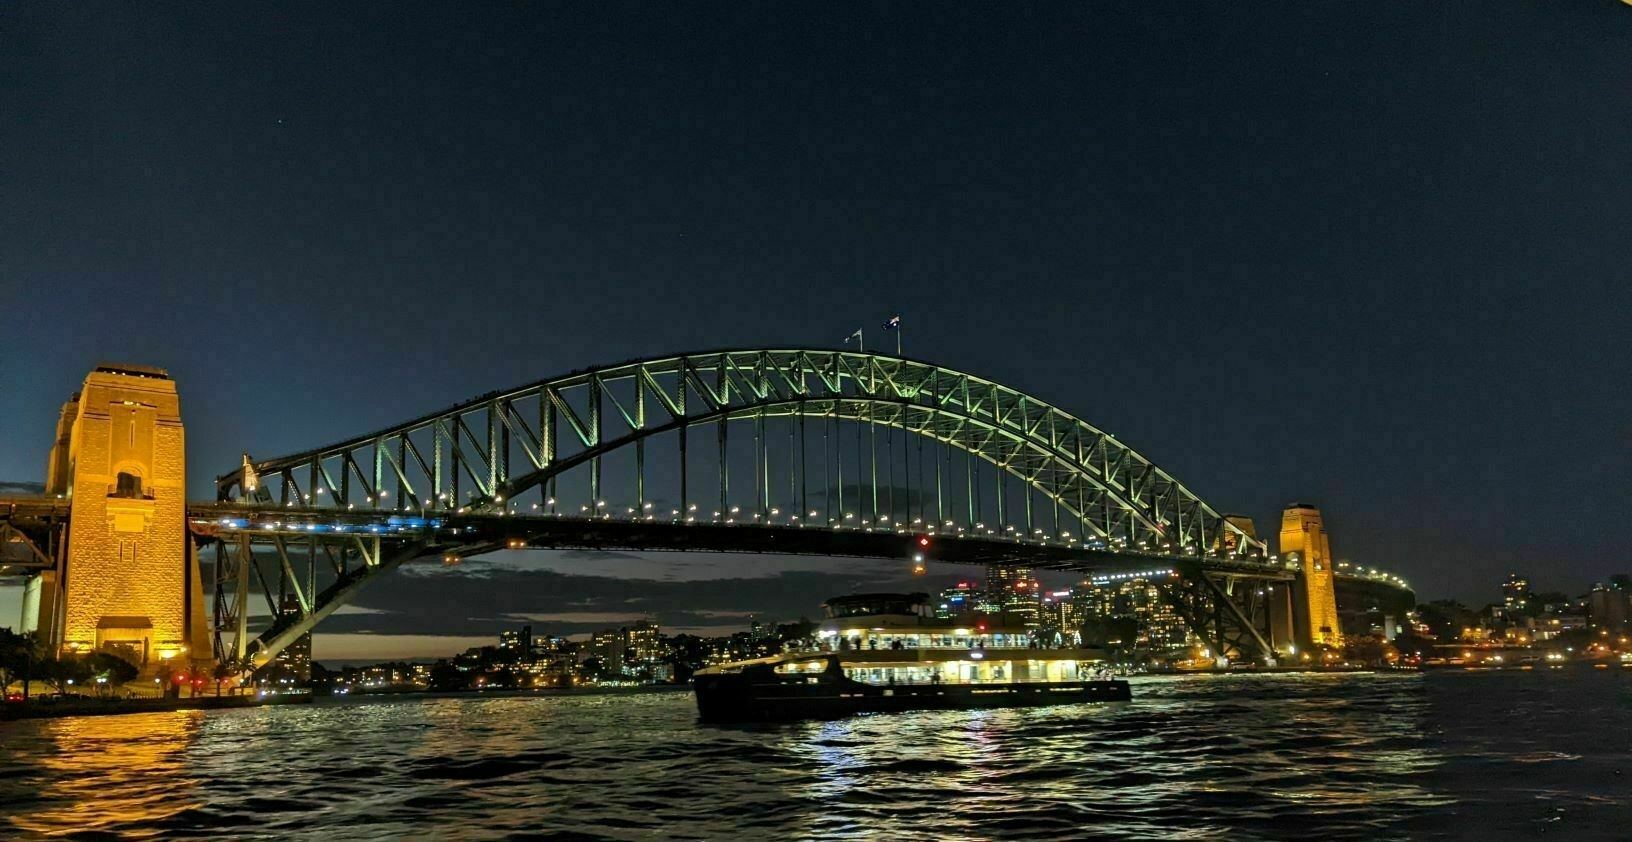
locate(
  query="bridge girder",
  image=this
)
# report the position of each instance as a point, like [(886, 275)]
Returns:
[(505, 443)]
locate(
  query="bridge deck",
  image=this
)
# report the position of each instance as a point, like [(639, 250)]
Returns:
[(482, 533)]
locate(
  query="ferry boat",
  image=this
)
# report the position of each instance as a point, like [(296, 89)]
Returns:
[(889, 652)]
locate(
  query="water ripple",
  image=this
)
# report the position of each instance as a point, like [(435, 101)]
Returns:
[(1448, 756)]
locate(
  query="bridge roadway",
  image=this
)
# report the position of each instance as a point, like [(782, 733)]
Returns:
[(472, 534), (27, 525), (30, 529)]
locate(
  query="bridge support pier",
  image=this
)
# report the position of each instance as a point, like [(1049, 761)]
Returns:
[(1231, 614), (130, 582)]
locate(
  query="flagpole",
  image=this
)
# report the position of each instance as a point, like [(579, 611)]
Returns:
[(898, 340)]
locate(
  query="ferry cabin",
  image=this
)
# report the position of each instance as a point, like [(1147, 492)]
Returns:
[(897, 639)]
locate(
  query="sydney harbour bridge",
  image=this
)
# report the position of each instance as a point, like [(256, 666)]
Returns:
[(789, 452)]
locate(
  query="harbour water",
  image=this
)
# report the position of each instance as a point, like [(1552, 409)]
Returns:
[(1497, 755)]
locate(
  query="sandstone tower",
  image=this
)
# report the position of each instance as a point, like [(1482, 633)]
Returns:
[(1302, 533), (130, 580)]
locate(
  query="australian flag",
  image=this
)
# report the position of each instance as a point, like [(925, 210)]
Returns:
[(893, 324)]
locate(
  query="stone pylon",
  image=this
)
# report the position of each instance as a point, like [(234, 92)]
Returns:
[(129, 581)]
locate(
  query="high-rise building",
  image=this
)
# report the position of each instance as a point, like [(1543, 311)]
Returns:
[(1159, 626), (294, 664), (606, 646), (1006, 578), (516, 646), (960, 601), (641, 647), (1016, 592), (1063, 612), (1515, 592), (1302, 533), (1608, 607)]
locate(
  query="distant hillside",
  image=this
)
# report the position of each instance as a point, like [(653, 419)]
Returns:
[(7, 487)]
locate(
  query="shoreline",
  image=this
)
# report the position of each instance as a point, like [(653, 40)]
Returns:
[(542, 692), (17, 711)]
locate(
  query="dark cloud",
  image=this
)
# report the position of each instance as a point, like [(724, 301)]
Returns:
[(486, 598)]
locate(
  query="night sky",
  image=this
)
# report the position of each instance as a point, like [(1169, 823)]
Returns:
[(1372, 257)]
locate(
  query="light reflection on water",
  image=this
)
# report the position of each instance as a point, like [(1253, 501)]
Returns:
[(107, 772), (1222, 757)]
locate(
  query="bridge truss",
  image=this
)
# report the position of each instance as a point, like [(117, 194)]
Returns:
[(788, 451)]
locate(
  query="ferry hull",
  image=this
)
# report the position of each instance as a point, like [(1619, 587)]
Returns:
[(743, 697)]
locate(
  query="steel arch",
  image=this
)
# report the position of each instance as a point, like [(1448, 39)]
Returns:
[(504, 449)]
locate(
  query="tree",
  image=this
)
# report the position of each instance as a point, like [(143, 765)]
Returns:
[(1371, 650), (63, 673), (111, 670), (801, 634), (1446, 619), (1537, 604), (1116, 633), (1408, 642), (322, 680), (19, 654), (445, 676), (224, 670)]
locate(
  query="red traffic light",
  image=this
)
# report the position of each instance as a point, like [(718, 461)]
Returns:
[(923, 540)]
